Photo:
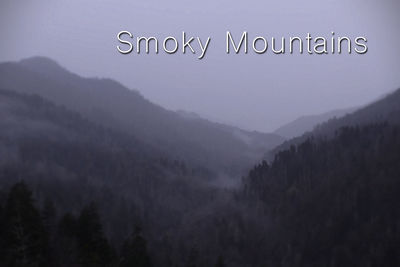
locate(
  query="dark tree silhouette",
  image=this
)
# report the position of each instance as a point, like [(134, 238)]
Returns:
[(25, 235), (93, 248), (134, 251), (220, 262)]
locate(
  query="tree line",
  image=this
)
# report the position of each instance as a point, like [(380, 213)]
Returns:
[(32, 236)]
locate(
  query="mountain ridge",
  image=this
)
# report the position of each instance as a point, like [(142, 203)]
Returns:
[(384, 109), (109, 103), (307, 123)]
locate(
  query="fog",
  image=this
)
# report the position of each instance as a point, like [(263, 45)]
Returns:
[(256, 92)]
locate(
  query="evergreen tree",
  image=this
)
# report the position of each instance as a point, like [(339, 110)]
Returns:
[(49, 217), (220, 262), (24, 232), (2, 232), (193, 257), (66, 244), (134, 251), (93, 248)]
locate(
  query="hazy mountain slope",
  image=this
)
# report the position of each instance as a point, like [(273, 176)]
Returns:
[(76, 161), (257, 141), (107, 102), (331, 190), (335, 202), (307, 123), (386, 109), (72, 161)]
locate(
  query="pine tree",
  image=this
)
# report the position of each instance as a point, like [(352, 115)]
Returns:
[(93, 248), (193, 257), (134, 251), (25, 235), (220, 262), (49, 217), (2, 231), (66, 246)]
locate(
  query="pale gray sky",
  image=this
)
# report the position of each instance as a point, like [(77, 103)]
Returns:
[(257, 92)]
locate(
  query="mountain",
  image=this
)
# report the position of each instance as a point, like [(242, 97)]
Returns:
[(386, 109), (332, 194), (66, 158), (329, 199), (257, 141), (307, 123), (38, 132), (196, 141), (334, 202)]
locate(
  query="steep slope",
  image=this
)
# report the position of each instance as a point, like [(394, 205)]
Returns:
[(74, 161), (256, 141), (334, 202), (109, 103), (333, 193), (386, 109), (307, 123), (33, 129)]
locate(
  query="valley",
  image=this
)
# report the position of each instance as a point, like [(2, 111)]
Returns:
[(104, 177)]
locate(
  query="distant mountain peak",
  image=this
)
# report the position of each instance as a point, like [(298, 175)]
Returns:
[(183, 135), (41, 63), (307, 123), (188, 115)]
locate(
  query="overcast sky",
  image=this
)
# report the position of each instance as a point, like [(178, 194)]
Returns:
[(257, 92)]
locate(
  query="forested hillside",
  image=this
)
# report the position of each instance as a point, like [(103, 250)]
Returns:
[(305, 124), (386, 109), (224, 149), (73, 162), (76, 191), (333, 202)]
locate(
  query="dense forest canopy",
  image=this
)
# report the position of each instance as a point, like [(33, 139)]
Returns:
[(76, 191), (224, 149), (333, 202)]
